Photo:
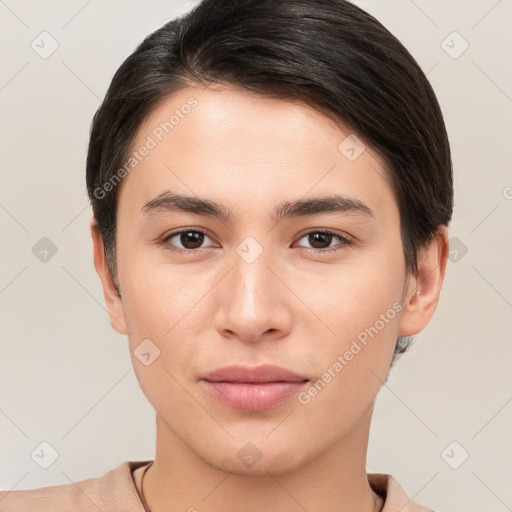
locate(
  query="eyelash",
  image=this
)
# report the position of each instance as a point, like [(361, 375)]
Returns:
[(344, 241)]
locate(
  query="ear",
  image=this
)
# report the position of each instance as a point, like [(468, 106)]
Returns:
[(112, 296), (424, 288)]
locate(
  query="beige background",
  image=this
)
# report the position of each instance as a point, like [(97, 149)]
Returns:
[(66, 377)]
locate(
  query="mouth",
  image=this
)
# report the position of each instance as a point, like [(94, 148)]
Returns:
[(253, 389)]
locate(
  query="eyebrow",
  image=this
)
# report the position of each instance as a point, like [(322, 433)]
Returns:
[(173, 202)]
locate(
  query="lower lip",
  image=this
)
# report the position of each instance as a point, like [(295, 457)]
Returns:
[(253, 397)]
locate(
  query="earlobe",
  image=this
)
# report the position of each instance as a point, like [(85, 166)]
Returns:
[(424, 288), (112, 297)]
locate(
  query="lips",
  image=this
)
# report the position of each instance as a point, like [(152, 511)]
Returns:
[(263, 373), (253, 389)]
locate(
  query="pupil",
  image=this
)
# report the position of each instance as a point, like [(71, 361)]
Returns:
[(314, 238), (191, 237)]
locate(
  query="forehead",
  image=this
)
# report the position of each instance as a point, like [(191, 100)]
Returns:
[(242, 148)]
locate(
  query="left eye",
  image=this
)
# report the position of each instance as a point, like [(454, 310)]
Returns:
[(320, 238)]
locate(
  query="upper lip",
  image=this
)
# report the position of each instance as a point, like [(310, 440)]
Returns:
[(263, 373)]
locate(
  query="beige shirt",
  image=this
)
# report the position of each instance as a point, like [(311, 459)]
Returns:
[(116, 491)]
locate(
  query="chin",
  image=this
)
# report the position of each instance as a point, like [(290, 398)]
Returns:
[(258, 458)]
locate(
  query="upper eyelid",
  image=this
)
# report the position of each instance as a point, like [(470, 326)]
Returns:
[(326, 230), (172, 234)]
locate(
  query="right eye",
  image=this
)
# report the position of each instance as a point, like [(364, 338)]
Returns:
[(190, 240)]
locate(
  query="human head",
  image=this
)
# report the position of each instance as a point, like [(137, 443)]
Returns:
[(308, 75), (331, 55)]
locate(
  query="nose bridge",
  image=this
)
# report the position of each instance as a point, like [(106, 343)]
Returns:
[(252, 278), (250, 303)]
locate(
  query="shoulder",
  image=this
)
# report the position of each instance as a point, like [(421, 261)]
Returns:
[(113, 492), (395, 497)]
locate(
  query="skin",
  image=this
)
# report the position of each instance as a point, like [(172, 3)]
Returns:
[(292, 307)]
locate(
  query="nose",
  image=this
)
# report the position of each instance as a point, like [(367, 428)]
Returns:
[(253, 302)]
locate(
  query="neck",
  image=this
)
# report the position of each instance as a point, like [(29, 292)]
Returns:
[(334, 481)]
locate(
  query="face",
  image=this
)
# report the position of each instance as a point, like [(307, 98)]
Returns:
[(287, 253)]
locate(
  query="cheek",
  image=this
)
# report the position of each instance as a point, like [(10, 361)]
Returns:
[(353, 362), (347, 298), (160, 306), (168, 305), (155, 300), (359, 309)]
